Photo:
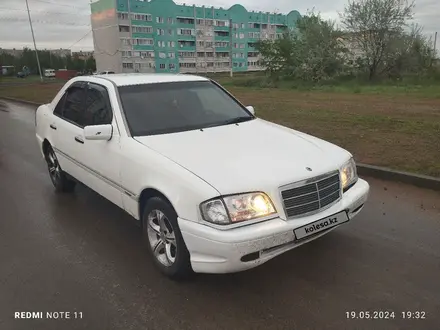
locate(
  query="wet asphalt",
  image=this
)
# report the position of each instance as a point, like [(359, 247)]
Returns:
[(80, 253)]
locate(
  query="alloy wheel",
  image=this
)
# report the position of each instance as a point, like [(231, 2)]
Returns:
[(53, 166), (162, 238)]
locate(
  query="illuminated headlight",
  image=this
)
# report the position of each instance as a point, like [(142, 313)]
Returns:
[(348, 174), (237, 208)]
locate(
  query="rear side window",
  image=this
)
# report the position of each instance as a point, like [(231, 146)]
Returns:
[(97, 109), (74, 105), (59, 108)]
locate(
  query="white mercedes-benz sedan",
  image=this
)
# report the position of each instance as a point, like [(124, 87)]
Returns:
[(215, 188)]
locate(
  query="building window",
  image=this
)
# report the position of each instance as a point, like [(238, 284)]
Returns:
[(141, 17), (186, 54), (235, 25), (142, 29), (185, 20), (161, 43), (162, 55), (159, 19), (147, 54), (170, 20), (208, 44), (186, 32), (162, 66), (221, 44), (126, 53), (242, 25), (171, 44), (201, 43), (171, 66), (187, 65), (143, 42), (200, 21), (242, 35), (221, 23), (209, 54), (125, 42), (242, 46), (124, 28), (160, 32), (170, 32), (200, 54), (127, 65), (171, 55), (123, 15)]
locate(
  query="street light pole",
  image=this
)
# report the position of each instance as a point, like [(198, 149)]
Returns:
[(33, 38)]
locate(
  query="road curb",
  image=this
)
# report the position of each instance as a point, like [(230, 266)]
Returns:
[(6, 98), (422, 181)]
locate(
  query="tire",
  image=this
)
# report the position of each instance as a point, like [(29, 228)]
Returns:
[(59, 179), (163, 239)]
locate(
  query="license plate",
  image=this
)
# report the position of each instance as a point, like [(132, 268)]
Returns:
[(321, 225)]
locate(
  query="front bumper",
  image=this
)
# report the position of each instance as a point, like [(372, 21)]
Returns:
[(226, 251)]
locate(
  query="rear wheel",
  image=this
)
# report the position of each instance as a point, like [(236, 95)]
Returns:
[(164, 240), (58, 177)]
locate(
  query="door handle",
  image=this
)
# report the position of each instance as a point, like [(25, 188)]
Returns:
[(53, 126), (79, 139)]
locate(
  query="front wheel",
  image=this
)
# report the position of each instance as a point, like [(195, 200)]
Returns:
[(58, 177), (164, 240)]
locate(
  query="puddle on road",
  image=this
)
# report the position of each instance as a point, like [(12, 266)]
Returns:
[(4, 107)]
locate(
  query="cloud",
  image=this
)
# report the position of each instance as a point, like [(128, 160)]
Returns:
[(60, 23)]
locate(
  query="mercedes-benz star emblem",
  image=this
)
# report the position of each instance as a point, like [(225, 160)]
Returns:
[(308, 169)]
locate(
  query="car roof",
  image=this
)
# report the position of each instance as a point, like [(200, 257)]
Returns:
[(127, 79)]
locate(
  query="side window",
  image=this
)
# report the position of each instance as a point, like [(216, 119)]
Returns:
[(97, 110), (74, 105), (59, 108)]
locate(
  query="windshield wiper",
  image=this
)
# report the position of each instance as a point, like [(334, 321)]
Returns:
[(235, 120)]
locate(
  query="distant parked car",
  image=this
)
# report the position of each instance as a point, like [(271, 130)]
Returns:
[(49, 73), (22, 74), (215, 188), (107, 72)]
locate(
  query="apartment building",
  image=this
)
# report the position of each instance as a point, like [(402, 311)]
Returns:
[(162, 36)]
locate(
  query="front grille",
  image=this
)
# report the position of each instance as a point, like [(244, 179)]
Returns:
[(312, 196)]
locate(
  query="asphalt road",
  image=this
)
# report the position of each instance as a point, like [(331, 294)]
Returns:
[(79, 253)]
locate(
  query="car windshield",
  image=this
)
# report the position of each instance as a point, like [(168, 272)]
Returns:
[(163, 108)]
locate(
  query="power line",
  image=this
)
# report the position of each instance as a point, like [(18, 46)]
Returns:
[(80, 39)]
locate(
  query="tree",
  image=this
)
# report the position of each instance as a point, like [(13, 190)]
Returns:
[(90, 64), (374, 29), (312, 51)]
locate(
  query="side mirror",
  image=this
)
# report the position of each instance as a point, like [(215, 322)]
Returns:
[(98, 132), (251, 109)]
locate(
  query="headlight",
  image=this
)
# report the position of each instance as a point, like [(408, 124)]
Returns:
[(348, 174), (237, 208)]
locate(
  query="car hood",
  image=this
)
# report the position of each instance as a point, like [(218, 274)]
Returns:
[(248, 156)]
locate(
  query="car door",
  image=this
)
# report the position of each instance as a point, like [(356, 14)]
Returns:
[(101, 158), (68, 124)]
